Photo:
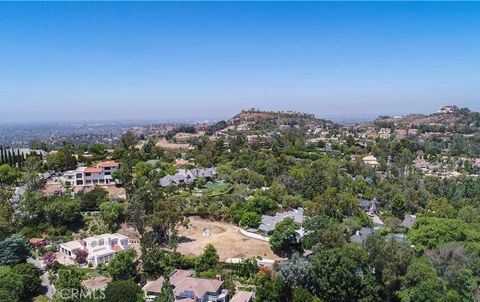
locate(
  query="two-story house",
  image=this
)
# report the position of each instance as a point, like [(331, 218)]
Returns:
[(100, 248), (101, 174)]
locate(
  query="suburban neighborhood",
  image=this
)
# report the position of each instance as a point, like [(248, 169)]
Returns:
[(239, 151)]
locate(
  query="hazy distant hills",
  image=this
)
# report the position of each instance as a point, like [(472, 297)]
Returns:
[(448, 117), (253, 116)]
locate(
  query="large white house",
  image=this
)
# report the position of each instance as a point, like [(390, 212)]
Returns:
[(100, 248), (101, 174)]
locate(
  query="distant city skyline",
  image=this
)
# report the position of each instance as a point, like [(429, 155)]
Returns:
[(198, 61)]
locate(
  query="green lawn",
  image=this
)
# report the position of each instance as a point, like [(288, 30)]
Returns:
[(219, 186)]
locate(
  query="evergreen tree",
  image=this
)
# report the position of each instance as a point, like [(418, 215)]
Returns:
[(13, 250), (4, 156), (16, 156), (20, 159), (10, 158)]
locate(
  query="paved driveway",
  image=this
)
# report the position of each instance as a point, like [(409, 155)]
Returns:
[(47, 288)]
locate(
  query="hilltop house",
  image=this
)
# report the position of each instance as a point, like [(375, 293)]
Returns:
[(101, 174), (188, 176), (100, 248), (188, 288), (448, 109)]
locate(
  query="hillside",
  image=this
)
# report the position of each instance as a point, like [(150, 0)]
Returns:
[(253, 116), (448, 117)]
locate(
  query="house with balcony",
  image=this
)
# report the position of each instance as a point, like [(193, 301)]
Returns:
[(186, 287), (100, 248), (101, 174)]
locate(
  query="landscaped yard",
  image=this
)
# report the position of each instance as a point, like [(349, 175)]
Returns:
[(224, 237)]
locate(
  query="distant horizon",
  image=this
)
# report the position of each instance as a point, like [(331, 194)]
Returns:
[(66, 61), (359, 117)]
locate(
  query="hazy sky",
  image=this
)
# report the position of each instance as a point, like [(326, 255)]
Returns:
[(90, 61)]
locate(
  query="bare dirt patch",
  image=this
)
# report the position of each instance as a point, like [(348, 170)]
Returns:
[(224, 237), (163, 143)]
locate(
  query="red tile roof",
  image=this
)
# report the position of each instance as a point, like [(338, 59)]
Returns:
[(37, 240), (117, 248), (93, 170), (108, 163)]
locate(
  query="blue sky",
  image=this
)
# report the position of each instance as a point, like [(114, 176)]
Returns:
[(94, 61)]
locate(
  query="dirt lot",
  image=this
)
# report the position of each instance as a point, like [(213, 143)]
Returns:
[(163, 143), (226, 239)]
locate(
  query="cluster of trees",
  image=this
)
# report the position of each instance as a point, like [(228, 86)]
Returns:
[(8, 175), (442, 265), (63, 159), (19, 281), (379, 270), (11, 157), (328, 187), (248, 214), (58, 215)]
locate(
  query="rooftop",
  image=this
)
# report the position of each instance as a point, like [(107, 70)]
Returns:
[(108, 164), (268, 222), (242, 296), (185, 285)]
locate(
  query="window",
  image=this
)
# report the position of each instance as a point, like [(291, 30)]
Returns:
[(107, 168), (88, 181), (79, 175), (79, 182), (107, 173), (102, 181), (88, 174)]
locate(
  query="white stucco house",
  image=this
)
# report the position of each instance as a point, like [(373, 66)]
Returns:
[(100, 248), (101, 174)]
